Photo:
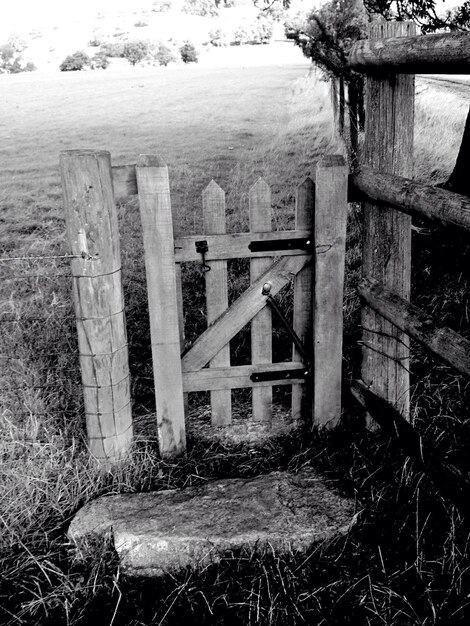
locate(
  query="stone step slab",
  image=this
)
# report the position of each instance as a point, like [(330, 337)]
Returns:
[(159, 532)]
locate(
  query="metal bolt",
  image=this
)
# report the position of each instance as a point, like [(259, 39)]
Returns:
[(266, 289)]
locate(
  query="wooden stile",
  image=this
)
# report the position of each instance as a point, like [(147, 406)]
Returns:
[(331, 207), (388, 147), (261, 325), (92, 230), (157, 227), (303, 298), (213, 206)]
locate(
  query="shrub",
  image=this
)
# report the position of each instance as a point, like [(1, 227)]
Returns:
[(140, 24), (135, 51), (75, 62), (205, 8), (161, 6), (11, 61), (95, 40), (188, 53), (165, 55), (112, 49), (219, 37), (99, 62), (263, 30)]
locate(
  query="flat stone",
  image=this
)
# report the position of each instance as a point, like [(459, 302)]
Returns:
[(159, 532)]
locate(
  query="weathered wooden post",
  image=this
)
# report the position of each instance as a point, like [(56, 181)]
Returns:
[(157, 226), (329, 234), (92, 230), (388, 148), (303, 299)]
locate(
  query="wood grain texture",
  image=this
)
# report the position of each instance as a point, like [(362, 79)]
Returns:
[(237, 377), (181, 328), (157, 228), (303, 300), (388, 147), (241, 312), (442, 341), (92, 229), (235, 245), (413, 197), (261, 324), (331, 208), (442, 53), (213, 211)]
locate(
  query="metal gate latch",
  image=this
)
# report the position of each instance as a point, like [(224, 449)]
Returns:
[(202, 248)]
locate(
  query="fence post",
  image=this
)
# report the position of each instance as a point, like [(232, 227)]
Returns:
[(92, 230), (388, 148), (331, 207), (157, 227)]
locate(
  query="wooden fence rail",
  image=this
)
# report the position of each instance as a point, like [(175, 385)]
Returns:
[(443, 53), (390, 58)]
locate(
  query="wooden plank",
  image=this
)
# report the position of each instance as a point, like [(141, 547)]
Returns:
[(388, 147), (235, 246), (414, 198), (92, 229), (442, 53), (157, 228), (124, 181), (241, 312), (303, 299), (213, 211), (442, 341), (261, 324), (180, 306), (237, 377), (331, 208)]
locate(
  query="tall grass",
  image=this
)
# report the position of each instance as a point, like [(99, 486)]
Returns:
[(406, 561)]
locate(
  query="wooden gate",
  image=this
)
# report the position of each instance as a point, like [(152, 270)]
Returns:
[(312, 256)]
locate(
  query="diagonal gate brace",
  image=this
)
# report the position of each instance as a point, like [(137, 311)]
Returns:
[(214, 338)]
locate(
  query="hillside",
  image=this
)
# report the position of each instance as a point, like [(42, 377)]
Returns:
[(50, 38)]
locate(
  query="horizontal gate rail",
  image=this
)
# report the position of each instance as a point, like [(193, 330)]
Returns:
[(240, 376), (237, 245)]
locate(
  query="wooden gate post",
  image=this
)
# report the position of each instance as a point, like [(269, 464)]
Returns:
[(388, 148), (92, 230), (157, 226), (331, 209)]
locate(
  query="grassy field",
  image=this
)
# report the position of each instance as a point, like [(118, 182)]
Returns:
[(406, 561)]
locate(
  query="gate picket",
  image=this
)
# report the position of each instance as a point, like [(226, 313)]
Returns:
[(213, 207), (261, 324)]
